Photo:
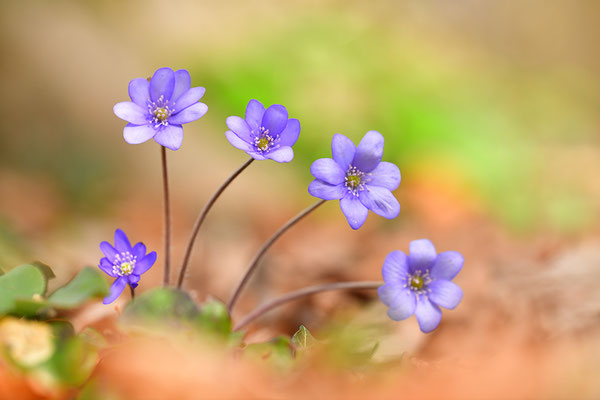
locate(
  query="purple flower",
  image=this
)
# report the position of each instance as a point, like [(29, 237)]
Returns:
[(358, 178), (158, 108), (420, 283), (125, 263), (264, 134)]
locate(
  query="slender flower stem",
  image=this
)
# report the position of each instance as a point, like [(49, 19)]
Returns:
[(298, 294), (167, 228), (200, 220), (132, 292), (254, 263)]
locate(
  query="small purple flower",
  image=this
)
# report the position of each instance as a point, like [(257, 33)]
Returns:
[(125, 263), (358, 178), (420, 283), (264, 134), (158, 108)]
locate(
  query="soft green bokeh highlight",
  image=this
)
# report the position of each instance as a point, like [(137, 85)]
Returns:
[(425, 105)]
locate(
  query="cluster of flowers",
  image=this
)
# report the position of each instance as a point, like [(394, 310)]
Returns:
[(418, 283)]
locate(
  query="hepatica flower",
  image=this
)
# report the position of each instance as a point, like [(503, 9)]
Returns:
[(125, 263), (420, 283), (264, 134), (159, 108), (358, 178)]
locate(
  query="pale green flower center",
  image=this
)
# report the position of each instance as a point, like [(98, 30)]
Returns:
[(416, 282), (263, 143), (353, 181), (126, 268), (161, 113)]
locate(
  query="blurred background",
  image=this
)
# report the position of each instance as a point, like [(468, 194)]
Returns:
[(490, 109)]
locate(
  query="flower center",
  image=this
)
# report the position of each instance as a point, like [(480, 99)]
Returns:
[(263, 141), (126, 268), (418, 282), (160, 111), (124, 264), (355, 180)]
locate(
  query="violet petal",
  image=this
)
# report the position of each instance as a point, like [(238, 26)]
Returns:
[(188, 98), (139, 91), (381, 201), (403, 305), (254, 114), (428, 314), (116, 289), (189, 114), (290, 134), (145, 263), (109, 251), (275, 119), (421, 255), (162, 84), (237, 142), (240, 127), (131, 112), (325, 191), (139, 250), (171, 136), (183, 83), (386, 175), (106, 266), (133, 280), (122, 242), (356, 213), (327, 170), (369, 151), (445, 293), (447, 265), (395, 267), (136, 134), (342, 150), (282, 155)]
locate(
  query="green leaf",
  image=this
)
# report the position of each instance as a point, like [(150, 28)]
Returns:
[(22, 282), (214, 318), (73, 361), (44, 269), (88, 283), (302, 339), (160, 305), (31, 307)]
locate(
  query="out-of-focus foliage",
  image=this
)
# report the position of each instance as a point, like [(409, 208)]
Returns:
[(21, 283), (89, 283), (22, 291), (162, 309)]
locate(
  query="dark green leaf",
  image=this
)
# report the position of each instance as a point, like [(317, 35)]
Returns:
[(44, 269), (159, 306), (22, 282), (89, 283), (73, 361), (215, 318), (30, 307)]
